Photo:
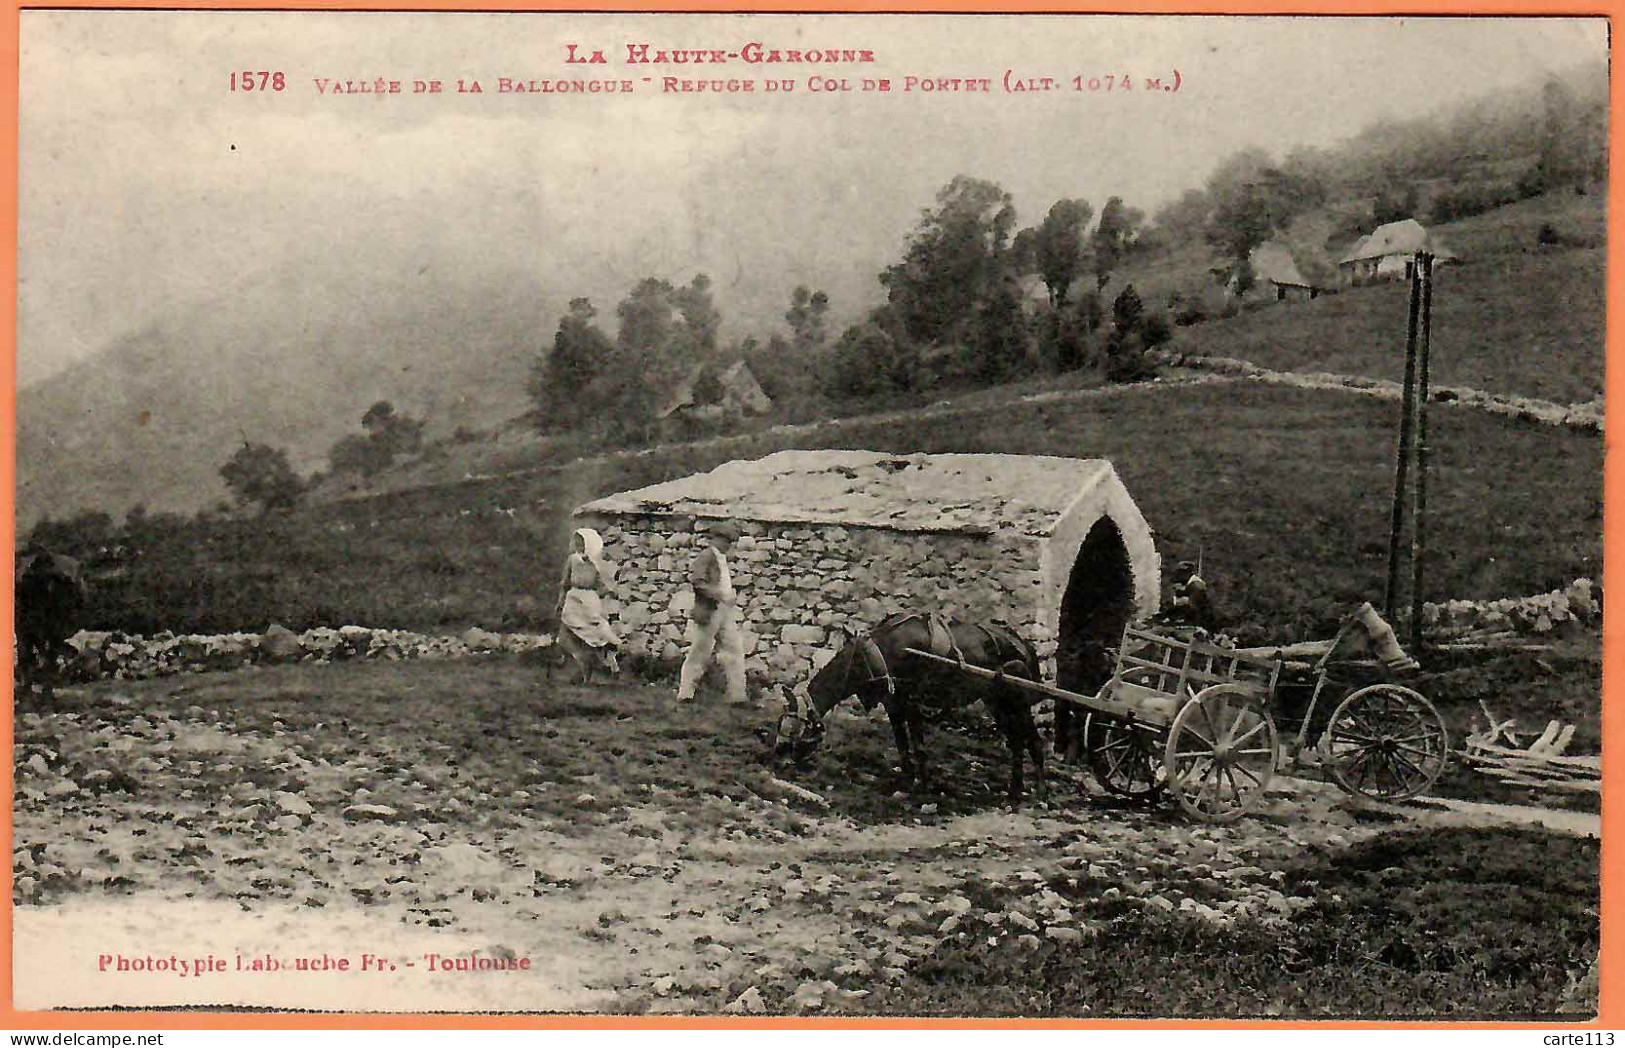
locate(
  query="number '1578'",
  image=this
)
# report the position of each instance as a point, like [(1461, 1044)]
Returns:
[(264, 80)]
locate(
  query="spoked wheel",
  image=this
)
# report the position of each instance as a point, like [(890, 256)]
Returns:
[(1220, 754), (1385, 742), (1123, 757)]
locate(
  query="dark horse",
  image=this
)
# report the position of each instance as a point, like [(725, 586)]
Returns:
[(50, 602), (876, 668)]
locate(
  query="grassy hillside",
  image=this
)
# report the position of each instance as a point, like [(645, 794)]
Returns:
[(1514, 318), (1284, 491), (152, 418)]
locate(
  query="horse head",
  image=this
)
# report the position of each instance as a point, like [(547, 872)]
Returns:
[(849, 673)]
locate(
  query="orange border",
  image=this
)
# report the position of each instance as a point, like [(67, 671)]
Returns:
[(1612, 1001)]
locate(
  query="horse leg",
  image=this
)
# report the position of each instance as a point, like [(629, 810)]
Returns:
[(922, 763), (899, 732), (1005, 718), (1063, 728), (1035, 746)]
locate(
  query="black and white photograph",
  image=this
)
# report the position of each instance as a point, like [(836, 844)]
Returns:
[(993, 516)]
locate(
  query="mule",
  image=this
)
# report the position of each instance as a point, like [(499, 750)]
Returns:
[(51, 598), (877, 669)]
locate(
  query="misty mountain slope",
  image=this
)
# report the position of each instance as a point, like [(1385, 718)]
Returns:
[(151, 418)]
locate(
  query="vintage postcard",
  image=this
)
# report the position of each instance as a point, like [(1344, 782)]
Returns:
[(1063, 516)]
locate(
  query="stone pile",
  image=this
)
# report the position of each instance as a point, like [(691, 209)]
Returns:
[(1579, 603), (124, 656)]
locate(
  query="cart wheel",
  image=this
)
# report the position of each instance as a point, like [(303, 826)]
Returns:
[(1221, 753), (1123, 757), (1385, 742)]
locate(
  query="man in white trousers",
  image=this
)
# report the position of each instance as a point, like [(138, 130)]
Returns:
[(713, 627)]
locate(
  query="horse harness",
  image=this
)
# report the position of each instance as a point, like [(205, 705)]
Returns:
[(941, 644)]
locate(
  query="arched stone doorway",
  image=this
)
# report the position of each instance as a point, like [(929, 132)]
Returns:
[(1097, 604)]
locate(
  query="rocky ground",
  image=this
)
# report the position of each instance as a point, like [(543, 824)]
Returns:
[(642, 856)]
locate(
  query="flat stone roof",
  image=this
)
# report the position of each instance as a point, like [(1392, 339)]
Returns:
[(976, 494)]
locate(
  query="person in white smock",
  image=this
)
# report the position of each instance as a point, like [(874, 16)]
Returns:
[(584, 632)]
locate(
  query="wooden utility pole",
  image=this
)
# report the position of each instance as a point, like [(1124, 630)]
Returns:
[(1397, 521), (1424, 268)]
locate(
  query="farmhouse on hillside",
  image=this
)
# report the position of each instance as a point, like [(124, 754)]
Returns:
[(1389, 253), (1054, 547), (740, 395), (1276, 272)]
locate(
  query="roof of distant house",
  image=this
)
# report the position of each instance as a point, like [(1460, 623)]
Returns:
[(1405, 237), (1273, 261)]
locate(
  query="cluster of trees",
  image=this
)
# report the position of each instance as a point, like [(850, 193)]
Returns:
[(259, 476), (954, 312), (1559, 131), (618, 385), (386, 435)]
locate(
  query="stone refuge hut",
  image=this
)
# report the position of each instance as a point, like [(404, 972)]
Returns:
[(1054, 547)]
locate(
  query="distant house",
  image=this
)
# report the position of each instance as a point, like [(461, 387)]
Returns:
[(1276, 271), (1389, 253), (741, 396)]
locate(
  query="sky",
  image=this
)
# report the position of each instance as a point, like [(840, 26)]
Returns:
[(148, 189)]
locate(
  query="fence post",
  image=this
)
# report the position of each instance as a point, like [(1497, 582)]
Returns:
[(1390, 598), (1419, 510)]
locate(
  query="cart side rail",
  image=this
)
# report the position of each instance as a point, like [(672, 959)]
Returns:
[(1179, 667)]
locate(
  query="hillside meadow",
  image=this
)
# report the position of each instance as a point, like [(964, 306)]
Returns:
[(1528, 324), (1514, 317), (1283, 492)]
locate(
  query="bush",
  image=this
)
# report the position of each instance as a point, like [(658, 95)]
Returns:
[(1191, 314), (1156, 331), (1128, 361), (1467, 201)]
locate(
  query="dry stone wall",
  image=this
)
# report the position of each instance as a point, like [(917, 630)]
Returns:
[(799, 582), (123, 656)]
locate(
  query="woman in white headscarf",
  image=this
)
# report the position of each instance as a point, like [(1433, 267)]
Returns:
[(584, 632)]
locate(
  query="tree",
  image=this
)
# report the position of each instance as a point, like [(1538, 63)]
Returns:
[(1250, 202), (1114, 237), (397, 434), (1182, 220), (664, 332), (1024, 252), (259, 474), (1000, 344), (358, 455), (386, 435), (1390, 205), (951, 260), (1127, 314), (1127, 344), (558, 379), (866, 361), (806, 317), (1060, 246), (86, 532)]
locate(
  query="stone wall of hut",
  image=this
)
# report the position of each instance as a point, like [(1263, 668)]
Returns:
[(798, 581)]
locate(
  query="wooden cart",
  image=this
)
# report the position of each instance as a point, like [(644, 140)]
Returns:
[(1199, 721)]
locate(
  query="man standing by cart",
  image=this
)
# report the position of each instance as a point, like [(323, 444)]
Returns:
[(713, 628)]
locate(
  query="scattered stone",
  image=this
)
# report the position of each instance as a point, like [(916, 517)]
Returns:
[(748, 1003), (370, 812), (292, 803)]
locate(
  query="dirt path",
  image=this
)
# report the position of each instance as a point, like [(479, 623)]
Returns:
[(174, 833)]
